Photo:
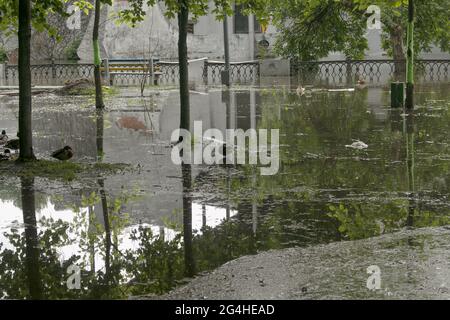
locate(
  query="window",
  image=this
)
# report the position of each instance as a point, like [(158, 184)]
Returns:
[(190, 27), (241, 24)]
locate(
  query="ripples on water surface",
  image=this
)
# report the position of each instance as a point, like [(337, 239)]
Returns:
[(128, 232)]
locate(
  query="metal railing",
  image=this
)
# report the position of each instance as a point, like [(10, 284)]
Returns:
[(51, 73), (241, 72), (373, 71), (246, 72), (58, 73)]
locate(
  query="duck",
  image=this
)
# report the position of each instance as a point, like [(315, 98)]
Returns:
[(63, 154), (3, 138), (13, 144), (6, 155)]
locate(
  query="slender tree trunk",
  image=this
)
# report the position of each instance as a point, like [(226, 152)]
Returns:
[(104, 201), (107, 224), (410, 58), (189, 261), (398, 52), (97, 60), (100, 130), (31, 239), (183, 17), (25, 117)]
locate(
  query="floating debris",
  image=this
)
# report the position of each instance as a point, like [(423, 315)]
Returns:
[(358, 145)]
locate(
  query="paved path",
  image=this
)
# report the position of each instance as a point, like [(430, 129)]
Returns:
[(413, 264)]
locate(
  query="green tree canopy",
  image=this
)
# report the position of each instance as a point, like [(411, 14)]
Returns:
[(311, 29), (9, 10), (197, 8)]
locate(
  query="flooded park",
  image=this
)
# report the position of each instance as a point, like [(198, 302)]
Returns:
[(127, 231), (204, 150)]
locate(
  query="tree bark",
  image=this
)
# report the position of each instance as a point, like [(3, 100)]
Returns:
[(25, 117), (409, 103), (100, 131), (183, 17), (398, 52), (97, 61)]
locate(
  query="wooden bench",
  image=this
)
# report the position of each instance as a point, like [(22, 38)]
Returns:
[(131, 69)]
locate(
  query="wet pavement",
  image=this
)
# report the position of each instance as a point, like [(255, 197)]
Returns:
[(410, 265), (152, 228)]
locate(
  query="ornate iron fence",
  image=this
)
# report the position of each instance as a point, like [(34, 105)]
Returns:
[(51, 74), (170, 72), (372, 71), (241, 72)]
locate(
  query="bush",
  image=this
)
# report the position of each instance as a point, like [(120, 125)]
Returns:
[(3, 55), (71, 50)]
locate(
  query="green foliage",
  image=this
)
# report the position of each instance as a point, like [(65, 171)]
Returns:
[(40, 9), (14, 280), (156, 265), (311, 29), (66, 171), (197, 8), (3, 55), (71, 50)]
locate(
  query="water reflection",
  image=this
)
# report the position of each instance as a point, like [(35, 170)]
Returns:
[(189, 259), (144, 232), (409, 132), (31, 239)]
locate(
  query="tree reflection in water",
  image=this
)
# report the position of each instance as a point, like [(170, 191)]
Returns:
[(324, 193), (32, 251)]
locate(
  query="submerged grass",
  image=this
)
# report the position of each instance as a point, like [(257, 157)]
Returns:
[(66, 171)]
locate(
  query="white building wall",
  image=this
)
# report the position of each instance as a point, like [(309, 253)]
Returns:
[(158, 36)]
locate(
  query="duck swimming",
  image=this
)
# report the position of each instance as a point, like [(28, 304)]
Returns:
[(63, 154)]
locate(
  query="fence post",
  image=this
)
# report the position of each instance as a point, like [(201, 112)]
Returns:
[(259, 71), (2, 74), (205, 71), (53, 69), (107, 75), (348, 70), (152, 70)]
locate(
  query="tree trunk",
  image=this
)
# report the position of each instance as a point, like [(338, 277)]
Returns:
[(107, 225), (189, 261), (183, 17), (409, 103), (97, 60), (100, 130), (31, 239), (25, 117), (398, 52)]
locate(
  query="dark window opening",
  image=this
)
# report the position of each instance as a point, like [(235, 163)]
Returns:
[(190, 27), (241, 24)]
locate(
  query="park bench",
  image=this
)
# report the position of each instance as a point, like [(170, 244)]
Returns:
[(130, 68)]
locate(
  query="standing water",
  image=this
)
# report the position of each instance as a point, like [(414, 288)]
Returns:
[(350, 168)]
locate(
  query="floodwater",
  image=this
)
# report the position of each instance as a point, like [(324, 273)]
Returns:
[(149, 229)]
